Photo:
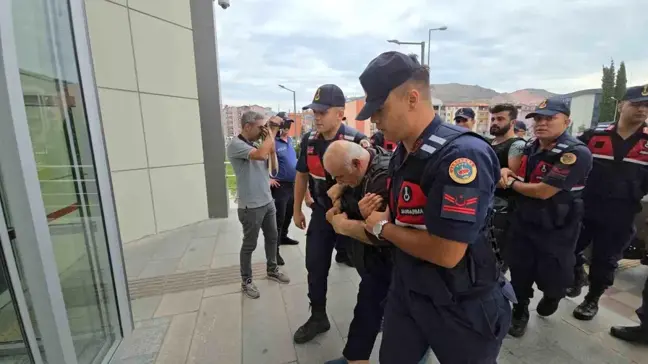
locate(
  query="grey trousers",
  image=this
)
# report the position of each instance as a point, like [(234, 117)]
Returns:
[(253, 220)]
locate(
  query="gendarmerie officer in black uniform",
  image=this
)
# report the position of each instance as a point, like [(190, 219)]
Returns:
[(612, 196), (549, 211), (328, 107), (446, 292)]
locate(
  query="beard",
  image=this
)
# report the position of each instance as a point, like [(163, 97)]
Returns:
[(497, 131)]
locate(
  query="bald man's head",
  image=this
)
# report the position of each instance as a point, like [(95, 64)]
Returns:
[(347, 162)]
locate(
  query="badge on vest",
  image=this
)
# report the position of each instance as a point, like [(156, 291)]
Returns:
[(568, 159), (463, 170)]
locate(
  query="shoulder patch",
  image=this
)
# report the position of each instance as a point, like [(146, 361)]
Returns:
[(568, 159), (463, 170)]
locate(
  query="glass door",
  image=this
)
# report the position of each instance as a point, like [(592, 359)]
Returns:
[(56, 116), (58, 187)]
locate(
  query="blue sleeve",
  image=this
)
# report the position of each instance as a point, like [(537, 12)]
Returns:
[(302, 166), (461, 190), (571, 170)]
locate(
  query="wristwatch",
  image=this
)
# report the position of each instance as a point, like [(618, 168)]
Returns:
[(510, 182), (378, 228)]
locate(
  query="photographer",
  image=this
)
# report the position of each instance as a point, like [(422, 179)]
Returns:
[(256, 209)]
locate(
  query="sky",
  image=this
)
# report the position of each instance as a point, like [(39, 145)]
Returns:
[(505, 45)]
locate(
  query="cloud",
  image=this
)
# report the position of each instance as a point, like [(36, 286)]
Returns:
[(505, 45)]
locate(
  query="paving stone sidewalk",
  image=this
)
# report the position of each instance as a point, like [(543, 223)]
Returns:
[(188, 308)]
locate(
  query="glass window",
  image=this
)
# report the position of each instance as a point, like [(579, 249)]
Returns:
[(63, 152)]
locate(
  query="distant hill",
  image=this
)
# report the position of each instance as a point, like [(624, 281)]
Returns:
[(456, 92)]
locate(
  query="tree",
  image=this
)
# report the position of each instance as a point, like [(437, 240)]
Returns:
[(606, 108), (620, 87)]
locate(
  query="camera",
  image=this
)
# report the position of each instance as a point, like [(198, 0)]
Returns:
[(224, 3)]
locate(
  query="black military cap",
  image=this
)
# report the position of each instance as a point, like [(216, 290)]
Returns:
[(551, 107), (465, 113), (327, 96), (383, 74), (285, 124), (636, 94)]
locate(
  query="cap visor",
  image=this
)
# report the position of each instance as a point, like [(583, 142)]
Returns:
[(639, 99), (369, 109), (316, 107), (542, 113)]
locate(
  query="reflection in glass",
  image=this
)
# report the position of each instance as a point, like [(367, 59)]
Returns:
[(59, 133), (13, 343)]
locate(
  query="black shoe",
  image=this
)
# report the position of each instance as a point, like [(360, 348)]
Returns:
[(635, 251), (280, 260), (519, 320), (644, 261), (288, 241), (317, 324), (586, 310), (635, 334), (580, 281), (547, 306), (343, 257)]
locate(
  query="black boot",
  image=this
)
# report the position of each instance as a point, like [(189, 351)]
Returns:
[(635, 334), (580, 281), (589, 308), (288, 241), (317, 324), (547, 306), (519, 320), (586, 310)]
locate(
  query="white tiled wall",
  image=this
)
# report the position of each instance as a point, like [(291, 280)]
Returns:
[(145, 71), (172, 127), (179, 195), (122, 123), (164, 57), (175, 11)]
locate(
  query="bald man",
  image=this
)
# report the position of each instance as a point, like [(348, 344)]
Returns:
[(361, 176)]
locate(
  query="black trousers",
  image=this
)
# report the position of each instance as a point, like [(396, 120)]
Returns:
[(369, 309), (283, 199), (609, 241)]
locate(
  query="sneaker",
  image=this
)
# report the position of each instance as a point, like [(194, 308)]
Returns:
[(250, 289), (586, 310), (519, 320), (278, 276), (547, 306), (636, 334), (317, 324), (288, 241)]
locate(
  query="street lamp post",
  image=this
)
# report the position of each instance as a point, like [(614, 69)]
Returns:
[(616, 107), (422, 44), (294, 98), (430, 40)]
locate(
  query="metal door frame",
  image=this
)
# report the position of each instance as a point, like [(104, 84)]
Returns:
[(25, 204)]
